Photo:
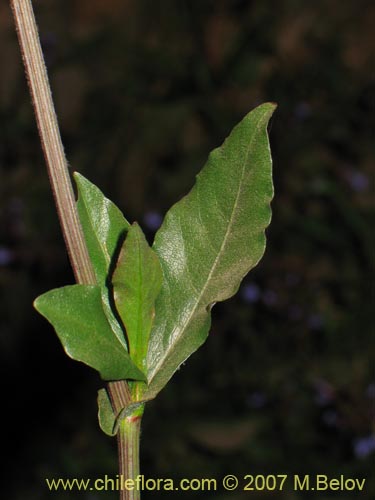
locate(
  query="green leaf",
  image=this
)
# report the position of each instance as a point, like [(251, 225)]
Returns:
[(136, 284), (76, 313), (103, 224), (208, 242), (104, 228), (106, 416)]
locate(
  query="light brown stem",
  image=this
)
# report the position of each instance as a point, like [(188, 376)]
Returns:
[(51, 140), (128, 438), (57, 166), (120, 396)]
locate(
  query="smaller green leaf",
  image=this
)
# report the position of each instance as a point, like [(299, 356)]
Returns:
[(136, 284), (104, 228), (103, 224), (108, 420), (76, 313), (106, 416)]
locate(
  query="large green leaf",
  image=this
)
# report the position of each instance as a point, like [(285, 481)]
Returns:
[(208, 242), (136, 284), (76, 313), (104, 228)]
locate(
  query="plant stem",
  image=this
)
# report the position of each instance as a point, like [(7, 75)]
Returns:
[(51, 140), (119, 394), (58, 172), (128, 449)]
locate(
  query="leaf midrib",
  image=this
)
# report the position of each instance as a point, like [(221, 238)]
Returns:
[(215, 263), (140, 299)]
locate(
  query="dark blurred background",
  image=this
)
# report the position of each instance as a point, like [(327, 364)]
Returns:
[(144, 90)]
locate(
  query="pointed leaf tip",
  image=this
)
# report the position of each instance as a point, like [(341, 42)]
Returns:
[(103, 224), (77, 315), (209, 241), (136, 283)]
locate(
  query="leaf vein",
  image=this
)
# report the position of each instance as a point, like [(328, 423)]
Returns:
[(186, 322)]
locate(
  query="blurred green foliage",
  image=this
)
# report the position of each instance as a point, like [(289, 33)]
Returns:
[(144, 90)]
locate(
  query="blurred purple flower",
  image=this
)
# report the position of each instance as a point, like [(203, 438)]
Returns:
[(364, 446), (256, 399), (153, 220), (324, 393), (6, 256), (250, 293), (329, 417), (315, 322), (357, 180)]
